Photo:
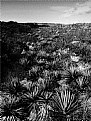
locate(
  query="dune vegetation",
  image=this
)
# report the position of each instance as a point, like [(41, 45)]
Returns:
[(45, 72)]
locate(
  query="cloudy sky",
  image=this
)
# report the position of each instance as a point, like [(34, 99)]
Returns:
[(46, 11)]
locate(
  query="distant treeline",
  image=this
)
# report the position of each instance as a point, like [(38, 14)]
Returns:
[(12, 27)]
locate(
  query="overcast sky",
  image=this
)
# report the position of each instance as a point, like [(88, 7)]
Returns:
[(46, 11)]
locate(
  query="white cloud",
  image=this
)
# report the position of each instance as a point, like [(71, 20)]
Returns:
[(59, 8), (82, 8), (78, 9)]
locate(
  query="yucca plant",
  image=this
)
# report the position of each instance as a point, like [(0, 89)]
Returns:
[(28, 102), (15, 88), (33, 102), (43, 106), (71, 76), (64, 104), (50, 82), (50, 85), (43, 112), (76, 80), (86, 106), (8, 109)]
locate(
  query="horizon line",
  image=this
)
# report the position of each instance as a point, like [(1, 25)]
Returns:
[(47, 22)]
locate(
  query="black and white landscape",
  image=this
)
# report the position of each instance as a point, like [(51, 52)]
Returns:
[(45, 67)]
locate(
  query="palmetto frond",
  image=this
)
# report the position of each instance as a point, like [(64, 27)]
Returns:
[(43, 112), (65, 102), (42, 103), (28, 101), (71, 76), (76, 80), (45, 97), (26, 104), (9, 118), (8, 109), (50, 84), (15, 88), (32, 115), (86, 106)]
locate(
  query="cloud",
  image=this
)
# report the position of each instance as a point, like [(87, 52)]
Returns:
[(77, 9), (83, 8)]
